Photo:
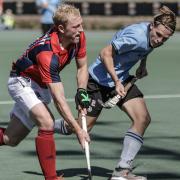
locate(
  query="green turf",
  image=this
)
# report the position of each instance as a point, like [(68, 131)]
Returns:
[(159, 158)]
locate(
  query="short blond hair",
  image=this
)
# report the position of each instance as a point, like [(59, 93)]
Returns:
[(63, 12), (167, 18)]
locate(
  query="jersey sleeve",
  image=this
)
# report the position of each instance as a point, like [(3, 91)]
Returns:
[(125, 42), (48, 66), (82, 46)]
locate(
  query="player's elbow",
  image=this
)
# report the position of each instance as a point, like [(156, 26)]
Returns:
[(104, 54)]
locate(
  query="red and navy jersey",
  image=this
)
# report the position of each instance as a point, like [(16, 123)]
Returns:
[(44, 59)]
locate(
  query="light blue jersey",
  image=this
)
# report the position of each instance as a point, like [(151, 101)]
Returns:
[(131, 45), (47, 13)]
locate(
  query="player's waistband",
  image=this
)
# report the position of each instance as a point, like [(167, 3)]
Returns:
[(14, 73)]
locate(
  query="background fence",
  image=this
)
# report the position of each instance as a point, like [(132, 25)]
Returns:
[(97, 14), (100, 7)]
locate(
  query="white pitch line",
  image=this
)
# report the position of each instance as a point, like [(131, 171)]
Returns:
[(6, 102), (159, 96), (12, 102), (162, 96)]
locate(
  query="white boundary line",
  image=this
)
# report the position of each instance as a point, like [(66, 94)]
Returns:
[(160, 96)]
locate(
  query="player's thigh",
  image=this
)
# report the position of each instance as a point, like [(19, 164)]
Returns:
[(31, 98), (137, 110), (26, 93), (41, 116), (133, 104), (15, 132)]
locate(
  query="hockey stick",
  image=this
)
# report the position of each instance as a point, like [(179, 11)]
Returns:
[(114, 100), (87, 152)]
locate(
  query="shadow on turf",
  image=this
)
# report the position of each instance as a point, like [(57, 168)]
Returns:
[(106, 173), (32, 172), (163, 176), (152, 152), (4, 123), (82, 172)]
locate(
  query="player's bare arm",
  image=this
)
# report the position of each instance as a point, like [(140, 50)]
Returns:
[(82, 72), (57, 92), (82, 78), (106, 55)]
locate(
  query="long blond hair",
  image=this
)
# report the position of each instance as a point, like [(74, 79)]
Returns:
[(167, 18)]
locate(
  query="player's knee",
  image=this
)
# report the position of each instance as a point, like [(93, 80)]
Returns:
[(47, 125), (145, 120), (45, 122), (142, 120)]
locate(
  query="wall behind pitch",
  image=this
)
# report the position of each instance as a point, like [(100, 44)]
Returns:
[(100, 7)]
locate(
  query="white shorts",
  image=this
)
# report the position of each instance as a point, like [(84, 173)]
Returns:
[(26, 93)]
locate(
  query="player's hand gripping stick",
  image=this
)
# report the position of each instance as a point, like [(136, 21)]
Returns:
[(114, 100)]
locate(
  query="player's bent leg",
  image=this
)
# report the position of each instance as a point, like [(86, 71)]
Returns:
[(46, 151), (45, 145), (15, 132), (41, 116), (137, 110), (23, 93)]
